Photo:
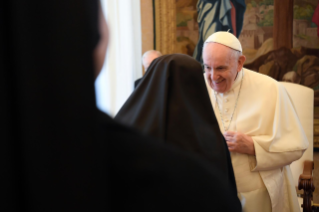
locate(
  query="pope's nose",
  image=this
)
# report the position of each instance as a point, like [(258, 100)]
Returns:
[(214, 76)]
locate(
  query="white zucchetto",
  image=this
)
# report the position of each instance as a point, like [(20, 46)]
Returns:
[(226, 39)]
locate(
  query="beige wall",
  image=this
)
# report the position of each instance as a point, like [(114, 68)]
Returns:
[(147, 25)]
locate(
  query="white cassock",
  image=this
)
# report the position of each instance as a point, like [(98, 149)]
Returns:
[(264, 112)]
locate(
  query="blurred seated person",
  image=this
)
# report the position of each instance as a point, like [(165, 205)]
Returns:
[(147, 59)]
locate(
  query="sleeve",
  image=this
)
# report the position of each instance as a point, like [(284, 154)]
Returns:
[(265, 160)]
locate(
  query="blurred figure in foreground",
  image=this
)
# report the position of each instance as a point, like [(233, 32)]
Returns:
[(51, 159), (59, 152)]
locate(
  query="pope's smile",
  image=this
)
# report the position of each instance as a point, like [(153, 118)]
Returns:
[(218, 82)]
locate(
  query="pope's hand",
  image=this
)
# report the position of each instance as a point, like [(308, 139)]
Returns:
[(239, 142)]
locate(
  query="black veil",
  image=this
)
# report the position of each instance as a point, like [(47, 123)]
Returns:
[(172, 103), (160, 177)]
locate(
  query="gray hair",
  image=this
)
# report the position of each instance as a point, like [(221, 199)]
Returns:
[(236, 53), (149, 52)]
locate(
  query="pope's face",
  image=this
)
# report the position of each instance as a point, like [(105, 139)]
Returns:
[(221, 66)]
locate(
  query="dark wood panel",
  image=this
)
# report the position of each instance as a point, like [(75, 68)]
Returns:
[(283, 23)]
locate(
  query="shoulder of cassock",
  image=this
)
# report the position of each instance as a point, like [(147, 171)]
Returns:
[(267, 114)]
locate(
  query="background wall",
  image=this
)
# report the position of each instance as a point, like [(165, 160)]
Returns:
[(147, 25)]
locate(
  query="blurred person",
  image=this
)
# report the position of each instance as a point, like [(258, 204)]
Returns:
[(51, 159), (60, 153), (147, 59)]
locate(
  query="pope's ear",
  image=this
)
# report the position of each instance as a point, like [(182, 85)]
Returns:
[(241, 61)]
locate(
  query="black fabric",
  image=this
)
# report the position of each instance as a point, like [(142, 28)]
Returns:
[(50, 160), (172, 103), (148, 176), (58, 152), (137, 82)]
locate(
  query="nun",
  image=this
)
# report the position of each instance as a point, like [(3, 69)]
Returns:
[(172, 104)]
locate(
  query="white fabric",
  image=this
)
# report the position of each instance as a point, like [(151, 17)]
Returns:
[(123, 60), (264, 112), (249, 184), (303, 99), (227, 101), (226, 39)]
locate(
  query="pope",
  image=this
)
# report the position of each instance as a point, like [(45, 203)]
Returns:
[(259, 123)]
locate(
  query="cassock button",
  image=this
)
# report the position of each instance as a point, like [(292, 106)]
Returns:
[(226, 110), (226, 100)]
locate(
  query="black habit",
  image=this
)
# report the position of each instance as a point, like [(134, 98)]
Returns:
[(58, 152), (50, 159), (172, 103), (136, 82)]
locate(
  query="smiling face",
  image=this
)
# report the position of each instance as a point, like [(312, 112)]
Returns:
[(221, 66)]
